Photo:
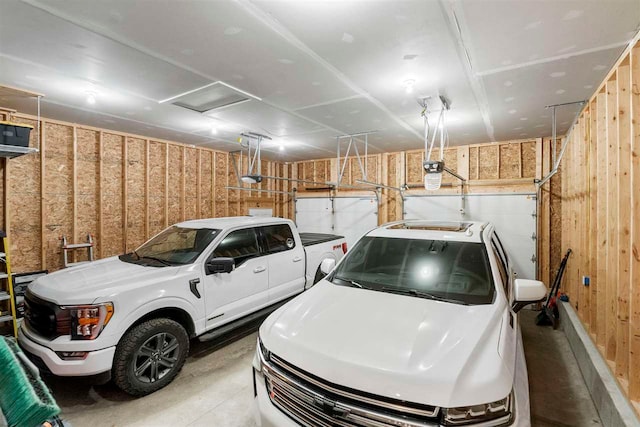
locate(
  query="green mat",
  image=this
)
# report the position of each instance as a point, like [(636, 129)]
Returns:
[(24, 399)]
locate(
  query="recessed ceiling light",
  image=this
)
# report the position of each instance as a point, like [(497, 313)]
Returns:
[(281, 148), (232, 31), (91, 98), (214, 130), (408, 85)]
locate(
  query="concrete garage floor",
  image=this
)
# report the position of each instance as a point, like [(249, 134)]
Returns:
[(215, 388)]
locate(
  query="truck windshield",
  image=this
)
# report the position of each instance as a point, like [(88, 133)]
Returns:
[(455, 272), (174, 246)]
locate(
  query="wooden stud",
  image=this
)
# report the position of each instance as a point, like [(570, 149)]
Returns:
[(125, 194), (612, 216), (539, 159), (601, 235), (147, 167), (166, 185), (634, 324), (214, 203), (544, 218), (593, 217), (623, 279), (226, 200), (43, 205), (100, 195), (74, 192), (199, 184), (183, 180)]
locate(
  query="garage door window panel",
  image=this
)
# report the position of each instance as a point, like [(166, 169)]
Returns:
[(240, 245)]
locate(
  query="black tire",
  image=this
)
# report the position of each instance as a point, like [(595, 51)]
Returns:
[(161, 345)]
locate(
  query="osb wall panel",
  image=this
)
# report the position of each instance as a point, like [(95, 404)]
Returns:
[(58, 193), (191, 184), (87, 181), (221, 196), (24, 193), (176, 175), (157, 190), (415, 171), (136, 179), (111, 184), (528, 159), (488, 155), (206, 184), (322, 171), (117, 187), (510, 161), (601, 226), (473, 163)]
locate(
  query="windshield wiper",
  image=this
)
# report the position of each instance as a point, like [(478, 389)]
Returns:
[(419, 294), (351, 283), (162, 261)]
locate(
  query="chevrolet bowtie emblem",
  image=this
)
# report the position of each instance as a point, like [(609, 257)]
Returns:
[(329, 407)]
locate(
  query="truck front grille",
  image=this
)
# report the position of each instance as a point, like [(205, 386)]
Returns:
[(311, 401), (46, 318)]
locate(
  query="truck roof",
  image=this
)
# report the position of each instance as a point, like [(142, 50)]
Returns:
[(462, 231), (230, 222)]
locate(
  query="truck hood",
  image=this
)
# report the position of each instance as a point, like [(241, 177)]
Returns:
[(85, 283), (397, 346)]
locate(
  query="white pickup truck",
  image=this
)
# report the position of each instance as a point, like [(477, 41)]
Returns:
[(416, 326), (131, 317)]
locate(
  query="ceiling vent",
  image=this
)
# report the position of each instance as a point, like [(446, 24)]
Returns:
[(211, 97)]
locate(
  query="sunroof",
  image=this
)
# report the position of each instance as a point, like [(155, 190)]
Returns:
[(212, 97), (432, 226)]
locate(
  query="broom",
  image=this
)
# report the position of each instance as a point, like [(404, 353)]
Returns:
[(24, 399)]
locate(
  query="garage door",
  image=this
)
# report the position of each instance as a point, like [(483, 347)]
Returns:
[(350, 216), (513, 215)]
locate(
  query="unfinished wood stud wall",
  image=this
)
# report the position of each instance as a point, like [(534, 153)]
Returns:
[(601, 212), (120, 188)]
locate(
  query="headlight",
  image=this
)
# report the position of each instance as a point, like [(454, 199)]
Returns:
[(262, 354), (496, 413), (87, 321)]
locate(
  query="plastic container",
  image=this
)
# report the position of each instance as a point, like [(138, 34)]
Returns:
[(14, 134)]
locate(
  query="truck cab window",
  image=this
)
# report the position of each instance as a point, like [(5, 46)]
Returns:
[(240, 245), (278, 238)]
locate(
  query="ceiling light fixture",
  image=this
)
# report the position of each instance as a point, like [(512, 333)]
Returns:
[(408, 85), (91, 98), (281, 148), (214, 130)]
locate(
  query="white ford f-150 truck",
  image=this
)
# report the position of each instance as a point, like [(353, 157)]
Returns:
[(416, 326), (131, 317)]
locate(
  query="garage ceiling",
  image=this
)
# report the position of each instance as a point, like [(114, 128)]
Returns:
[(312, 69)]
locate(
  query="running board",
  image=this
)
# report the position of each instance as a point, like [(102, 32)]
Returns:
[(218, 332)]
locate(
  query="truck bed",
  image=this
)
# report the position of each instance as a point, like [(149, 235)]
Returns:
[(309, 239)]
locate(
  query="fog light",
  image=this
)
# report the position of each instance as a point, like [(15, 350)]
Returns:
[(72, 355)]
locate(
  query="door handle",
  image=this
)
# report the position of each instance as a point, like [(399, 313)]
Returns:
[(259, 269), (297, 259)]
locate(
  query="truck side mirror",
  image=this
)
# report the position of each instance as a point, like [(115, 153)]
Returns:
[(327, 265), (527, 292), (220, 265)]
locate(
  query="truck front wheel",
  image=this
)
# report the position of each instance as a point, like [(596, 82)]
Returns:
[(149, 356)]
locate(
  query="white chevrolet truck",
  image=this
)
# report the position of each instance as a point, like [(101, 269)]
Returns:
[(416, 326), (131, 317)]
